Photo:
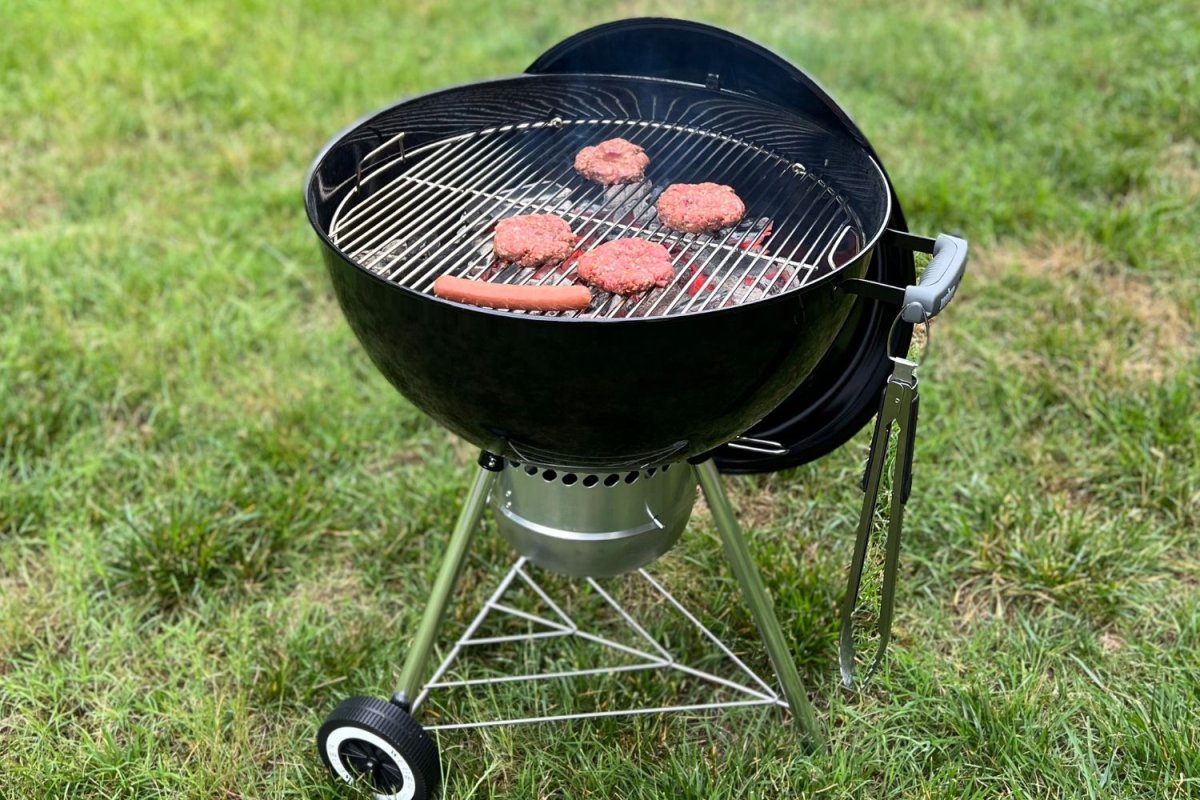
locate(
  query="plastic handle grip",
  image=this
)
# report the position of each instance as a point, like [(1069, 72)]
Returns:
[(939, 282)]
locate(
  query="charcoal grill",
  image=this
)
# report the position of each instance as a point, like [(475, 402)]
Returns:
[(769, 347)]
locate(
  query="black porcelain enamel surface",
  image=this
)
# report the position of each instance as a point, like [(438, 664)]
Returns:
[(610, 393)]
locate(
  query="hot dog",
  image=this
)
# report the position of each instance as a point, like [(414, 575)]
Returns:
[(501, 295)]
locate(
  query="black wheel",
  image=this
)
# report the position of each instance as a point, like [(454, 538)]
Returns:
[(375, 743)]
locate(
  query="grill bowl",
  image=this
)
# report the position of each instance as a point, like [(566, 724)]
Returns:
[(586, 392)]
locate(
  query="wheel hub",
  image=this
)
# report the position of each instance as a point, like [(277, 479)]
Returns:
[(370, 762)]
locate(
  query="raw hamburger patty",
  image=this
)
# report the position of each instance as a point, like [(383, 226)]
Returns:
[(533, 239), (699, 207), (612, 161), (626, 266)]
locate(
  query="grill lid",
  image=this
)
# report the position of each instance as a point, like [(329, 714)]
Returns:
[(837, 399), (682, 50)]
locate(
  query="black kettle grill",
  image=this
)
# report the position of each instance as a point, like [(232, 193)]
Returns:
[(770, 347)]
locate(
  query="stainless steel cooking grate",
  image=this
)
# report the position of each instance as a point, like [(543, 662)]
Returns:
[(432, 211)]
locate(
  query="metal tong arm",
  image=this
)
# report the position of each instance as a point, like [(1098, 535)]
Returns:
[(899, 408)]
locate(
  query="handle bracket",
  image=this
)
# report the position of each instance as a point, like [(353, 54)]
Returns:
[(923, 300)]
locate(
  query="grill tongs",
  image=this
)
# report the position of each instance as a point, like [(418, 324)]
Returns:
[(899, 409)]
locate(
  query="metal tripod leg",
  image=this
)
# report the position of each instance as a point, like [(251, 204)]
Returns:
[(413, 673), (758, 600)]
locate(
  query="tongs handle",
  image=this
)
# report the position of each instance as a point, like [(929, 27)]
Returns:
[(899, 409)]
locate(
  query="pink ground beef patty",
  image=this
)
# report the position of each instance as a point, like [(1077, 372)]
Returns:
[(626, 266), (534, 239), (612, 161), (699, 207)]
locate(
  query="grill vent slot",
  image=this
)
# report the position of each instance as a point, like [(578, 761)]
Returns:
[(585, 480)]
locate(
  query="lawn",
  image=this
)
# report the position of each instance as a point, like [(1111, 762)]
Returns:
[(217, 519)]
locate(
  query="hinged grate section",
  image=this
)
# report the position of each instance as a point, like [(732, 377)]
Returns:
[(432, 211)]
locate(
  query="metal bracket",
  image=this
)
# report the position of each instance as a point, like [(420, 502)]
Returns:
[(490, 461), (764, 447), (910, 241), (883, 292), (378, 155)]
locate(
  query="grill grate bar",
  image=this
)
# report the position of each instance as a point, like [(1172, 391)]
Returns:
[(435, 218), (486, 215), (370, 210), (485, 218), (656, 228), (435, 207), (816, 210), (644, 225), (451, 162), (478, 254), (617, 200), (820, 239), (699, 275)]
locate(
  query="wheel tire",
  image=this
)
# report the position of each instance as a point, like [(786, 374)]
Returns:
[(377, 744)]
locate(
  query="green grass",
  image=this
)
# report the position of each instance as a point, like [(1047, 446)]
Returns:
[(216, 519)]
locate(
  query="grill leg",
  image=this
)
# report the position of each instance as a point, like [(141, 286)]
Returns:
[(447, 578), (758, 600)]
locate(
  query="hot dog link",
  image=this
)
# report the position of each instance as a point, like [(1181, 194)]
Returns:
[(501, 295)]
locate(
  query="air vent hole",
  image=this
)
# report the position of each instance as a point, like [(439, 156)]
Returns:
[(531, 470), (590, 480), (631, 477), (549, 475), (612, 480), (569, 479)]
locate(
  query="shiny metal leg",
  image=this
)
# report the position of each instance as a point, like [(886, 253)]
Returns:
[(447, 578), (759, 601)]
